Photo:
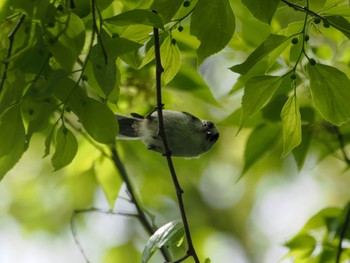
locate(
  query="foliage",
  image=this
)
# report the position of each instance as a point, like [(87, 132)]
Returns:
[(67, 66)]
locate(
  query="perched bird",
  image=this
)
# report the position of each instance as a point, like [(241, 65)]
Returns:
[(187, 135)]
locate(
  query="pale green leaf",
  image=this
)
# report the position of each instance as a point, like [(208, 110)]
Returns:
[(169, 234), (171, 60), (116, 47), (99, 121), (330, 90), (105, 74), (257, 92), (12, 139), (137, 16), (291, 122), (213, 23), (264, 49), (66, 148), (263, 10)]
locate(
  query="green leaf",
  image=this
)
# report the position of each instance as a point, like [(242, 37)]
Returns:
[(319, 219), (213, 23), (12, 139), (330, 91), (169, 234), (48, 140), (291, 122), (137, 16), (171, 60), (257, 92), (262, 10), (66, 39), (340, 23), (116, 47), (66, 148), (99, 121), (261, 140), (105, 74), (302, 246), (300, 152), (166, 9), (265, 48)]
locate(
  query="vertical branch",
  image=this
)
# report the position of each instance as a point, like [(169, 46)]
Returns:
[(342, 234), (11, 38), (141, 214), (167, 152)]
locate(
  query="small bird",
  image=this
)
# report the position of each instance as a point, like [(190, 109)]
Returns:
[(187, 135)]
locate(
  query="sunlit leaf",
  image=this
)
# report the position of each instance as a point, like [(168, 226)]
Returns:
[(265, 48), (291, 122), (301, 151), (116, 47), (257, 92), (66, 148), (105, 74), (171, 60), (12, 139), (302, 246), (263, 10), (137, 16), (213, 23), (99, 121), (169, 234), (330, 92)]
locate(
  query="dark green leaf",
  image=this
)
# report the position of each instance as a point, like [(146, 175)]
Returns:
[(300, 152), (257, 92), (137, 16), (66, 148), (66, 39), (213, 23), (99, 121), (169, 234), (261, 140), (116, 47), (12, 139), (262, 10), (340, 23), (166, 9), (291, 122), (330, 90), (105, 74), (265, 48)]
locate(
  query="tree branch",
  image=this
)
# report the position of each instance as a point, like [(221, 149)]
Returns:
[(167, 151), (342, 234), (11, 38)]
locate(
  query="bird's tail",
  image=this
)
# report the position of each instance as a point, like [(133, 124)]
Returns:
[(128, 127)]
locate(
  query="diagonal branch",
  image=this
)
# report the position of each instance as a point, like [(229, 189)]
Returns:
[(343, 230), (167, 151), (11, 38)]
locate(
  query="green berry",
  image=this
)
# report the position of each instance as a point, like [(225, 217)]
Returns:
[(186, 3), (307, 38), (173, 41), (60, 8), (295, 41), (84, 78), (180, 28), (325, 24), (312, 62), (293, 76), (317, 20)]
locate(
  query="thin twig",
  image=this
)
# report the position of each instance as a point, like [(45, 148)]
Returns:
[(342, 234), (93, 11), (167, 151), (11, 38), (302, 9)]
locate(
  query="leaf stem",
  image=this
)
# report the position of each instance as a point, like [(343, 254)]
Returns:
[(11, 38), (167, 151)]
